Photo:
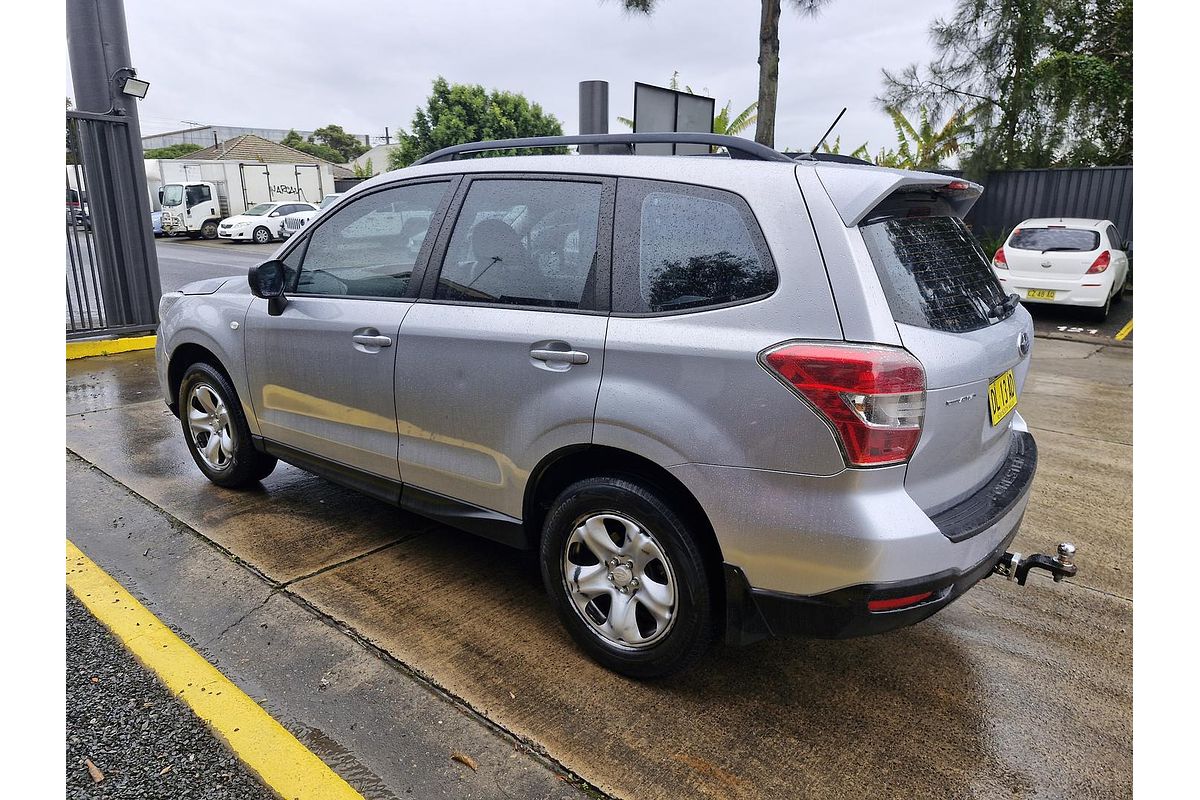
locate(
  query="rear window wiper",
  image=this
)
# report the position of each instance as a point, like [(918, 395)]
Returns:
[(1003, 309), (1062, 249)]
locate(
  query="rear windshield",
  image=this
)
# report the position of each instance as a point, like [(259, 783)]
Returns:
[(934, 273), (1055, 239)]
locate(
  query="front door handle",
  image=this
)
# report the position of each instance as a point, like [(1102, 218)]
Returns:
[(372, 341), (569, 356)]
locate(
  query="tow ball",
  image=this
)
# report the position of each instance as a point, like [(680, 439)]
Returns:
[(1012, 566)]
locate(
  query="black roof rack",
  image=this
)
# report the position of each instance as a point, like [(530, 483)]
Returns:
[(837, 158), (737, 147)]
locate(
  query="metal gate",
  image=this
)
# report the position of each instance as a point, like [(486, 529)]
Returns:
[(112, 267)]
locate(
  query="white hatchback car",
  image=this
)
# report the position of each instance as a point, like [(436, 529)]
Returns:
[(261, 223), (1077, 262)]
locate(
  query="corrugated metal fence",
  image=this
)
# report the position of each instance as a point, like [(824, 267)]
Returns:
[(1093, 192)]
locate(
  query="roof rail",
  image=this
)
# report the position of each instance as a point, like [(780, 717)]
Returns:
[(737, 147)]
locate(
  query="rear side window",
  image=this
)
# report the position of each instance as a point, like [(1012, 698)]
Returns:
[(1055, 239), (682, 247), (933, 273)]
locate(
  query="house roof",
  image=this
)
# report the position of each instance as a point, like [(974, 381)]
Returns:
[(249, 147)]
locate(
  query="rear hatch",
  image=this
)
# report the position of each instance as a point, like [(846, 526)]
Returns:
[(1051, 251), (954, 316)]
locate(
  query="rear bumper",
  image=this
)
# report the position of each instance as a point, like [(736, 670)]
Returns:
[(1082, 290), (992, 515)]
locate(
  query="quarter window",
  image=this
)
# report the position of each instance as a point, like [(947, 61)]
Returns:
[(525, 243), (368, 247), (689, 247)]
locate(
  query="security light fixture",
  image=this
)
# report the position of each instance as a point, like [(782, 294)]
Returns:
[(136, 87)]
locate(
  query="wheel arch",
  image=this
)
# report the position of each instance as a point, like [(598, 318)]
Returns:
[(560, 469), (183, 357)]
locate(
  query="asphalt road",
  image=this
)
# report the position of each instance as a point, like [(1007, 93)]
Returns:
[(182, 260), (1010, 692), (141, 742)]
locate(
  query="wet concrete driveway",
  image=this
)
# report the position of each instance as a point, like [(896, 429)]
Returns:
[(1008, 693)]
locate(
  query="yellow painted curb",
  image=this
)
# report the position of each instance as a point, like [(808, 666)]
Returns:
[(105, 347), (263, 745), (1121, 334)]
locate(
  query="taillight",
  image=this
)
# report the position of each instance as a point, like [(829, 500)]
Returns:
[(1100, 264), (999, 261), (872, 397)]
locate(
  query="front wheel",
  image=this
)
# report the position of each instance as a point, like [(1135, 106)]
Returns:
[(262, 235), (209, 230), (216, 432), (627, 577)]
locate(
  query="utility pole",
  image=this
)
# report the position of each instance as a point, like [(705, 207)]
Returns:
[(98, 47)]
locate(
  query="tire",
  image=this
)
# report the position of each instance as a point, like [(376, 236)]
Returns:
[(1119, 297), (233, 462), (668, 573), (1100, 314), (262, 235), (208, 230)]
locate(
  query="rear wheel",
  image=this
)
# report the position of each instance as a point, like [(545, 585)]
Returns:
[(209, 230), (627, 577), (1100, 314), (262, 235), (216, 431)]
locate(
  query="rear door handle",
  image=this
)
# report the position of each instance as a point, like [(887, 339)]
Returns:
[(372, 341), (569, 356)]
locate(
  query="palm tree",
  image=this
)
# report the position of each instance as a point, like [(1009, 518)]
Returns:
[(768, 56), (923, 146), (722, 124), (859, 152)]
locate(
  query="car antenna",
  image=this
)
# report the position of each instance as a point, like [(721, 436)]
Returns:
[(831, 127)]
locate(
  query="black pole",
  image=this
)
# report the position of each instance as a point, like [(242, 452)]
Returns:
[(98, 47)]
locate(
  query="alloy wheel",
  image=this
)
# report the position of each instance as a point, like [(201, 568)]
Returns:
[(210, 427), (620, 580)]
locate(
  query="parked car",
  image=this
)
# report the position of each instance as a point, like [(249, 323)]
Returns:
[(261, 223), (708, 420), (292, 223), (156, 223), (1065, 261)]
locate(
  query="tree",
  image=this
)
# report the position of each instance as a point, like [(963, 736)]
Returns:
[(171, 151), (1053, 80), (308, 146), (460, 113), (722, 123), (768, 56), (836, 148), (348, 146), (925, 146), (366, 170)]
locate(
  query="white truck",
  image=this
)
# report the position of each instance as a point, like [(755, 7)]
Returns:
[(195, 195)]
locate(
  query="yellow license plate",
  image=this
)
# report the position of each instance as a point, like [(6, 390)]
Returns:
[(1002, 396), (1039, 294)]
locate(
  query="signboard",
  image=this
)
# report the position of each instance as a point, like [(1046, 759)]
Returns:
[(657, 109)]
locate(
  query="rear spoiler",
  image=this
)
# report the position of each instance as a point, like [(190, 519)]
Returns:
[(856, 190)]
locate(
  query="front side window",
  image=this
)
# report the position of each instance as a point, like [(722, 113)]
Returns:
[(525, 243), (368, 247), (197, 195), (688, 247)]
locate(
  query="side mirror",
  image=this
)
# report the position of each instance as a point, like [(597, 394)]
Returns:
[(1127, 245), (267, 281)]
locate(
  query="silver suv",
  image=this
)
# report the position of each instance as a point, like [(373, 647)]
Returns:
[(722, 397)]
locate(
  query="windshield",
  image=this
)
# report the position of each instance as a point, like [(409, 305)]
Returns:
[(329, 200), (260, 210), (1056, 238), (172, 194)]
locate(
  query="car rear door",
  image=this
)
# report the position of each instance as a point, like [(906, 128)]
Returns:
[(322, 372), (499, 362), (972, 341)]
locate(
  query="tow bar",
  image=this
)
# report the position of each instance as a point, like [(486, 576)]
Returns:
[(1011, 565)]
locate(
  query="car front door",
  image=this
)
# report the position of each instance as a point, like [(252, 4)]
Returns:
[(322, 371), (499, 362)]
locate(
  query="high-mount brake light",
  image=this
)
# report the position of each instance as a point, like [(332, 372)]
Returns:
[(957, 186), (1000, 261), (873, 397), (1100, 264)]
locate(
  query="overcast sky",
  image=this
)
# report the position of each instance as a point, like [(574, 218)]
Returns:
[(306, 63)]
